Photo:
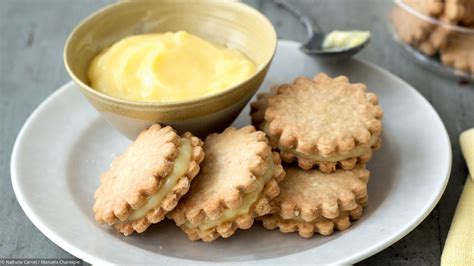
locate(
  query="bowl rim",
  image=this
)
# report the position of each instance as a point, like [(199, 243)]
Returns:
[(432, 20), (143, 104)]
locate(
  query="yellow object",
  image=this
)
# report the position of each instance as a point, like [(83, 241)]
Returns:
[(180, 167), (165, 67), (247, 202), (344, 39), (361, 149), (467, 147), (459, 246)]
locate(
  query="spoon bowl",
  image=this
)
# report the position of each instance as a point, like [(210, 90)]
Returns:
[(314, 45)]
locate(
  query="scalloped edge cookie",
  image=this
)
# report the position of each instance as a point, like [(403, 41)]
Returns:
[(461, 11), (326, 155), (427, 7), (204, 216), (124, 192), (409, 28), (306, 208), (305, 229), (430, 39), (441, 34), (459, 53)]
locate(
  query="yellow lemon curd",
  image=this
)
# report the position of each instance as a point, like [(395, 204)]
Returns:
[(166, 67), (345, 39)]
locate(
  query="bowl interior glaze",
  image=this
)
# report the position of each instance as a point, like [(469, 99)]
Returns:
[(227, 23)]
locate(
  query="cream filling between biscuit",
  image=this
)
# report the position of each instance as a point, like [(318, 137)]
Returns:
[(356, 152), (180, 167), (244, 208)]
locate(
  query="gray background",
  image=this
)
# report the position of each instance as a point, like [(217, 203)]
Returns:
[(32, 34)]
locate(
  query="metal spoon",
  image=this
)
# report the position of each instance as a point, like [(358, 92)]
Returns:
[(314, 44)]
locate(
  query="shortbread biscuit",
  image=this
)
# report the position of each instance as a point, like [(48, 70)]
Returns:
[(427, 7), (459, 52), (454, 48), (461, 11), (468, 18), (148, 179), (323, 122), (438, 38), (411, 29), (430, 36), (238, 178), (315, 202)]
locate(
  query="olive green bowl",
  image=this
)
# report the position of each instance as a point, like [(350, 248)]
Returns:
[(222, 22)]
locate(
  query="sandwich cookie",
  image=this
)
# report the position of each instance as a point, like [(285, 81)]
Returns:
[(322, 122), (315, 202), (238, 178), (148, 179)]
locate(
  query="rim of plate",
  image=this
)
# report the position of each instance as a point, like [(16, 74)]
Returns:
[(353, 258)]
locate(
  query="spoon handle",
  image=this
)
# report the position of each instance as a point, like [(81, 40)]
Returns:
[(310, 25)]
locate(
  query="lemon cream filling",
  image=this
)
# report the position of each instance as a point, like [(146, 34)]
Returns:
[(360, 150), (337, 40), (164, 67), (298, 219), (244, 208), (180, 167)]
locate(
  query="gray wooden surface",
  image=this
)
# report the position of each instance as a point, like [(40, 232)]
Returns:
[(32, 34)]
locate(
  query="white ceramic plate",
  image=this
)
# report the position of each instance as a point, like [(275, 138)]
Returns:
[(65, 145)]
